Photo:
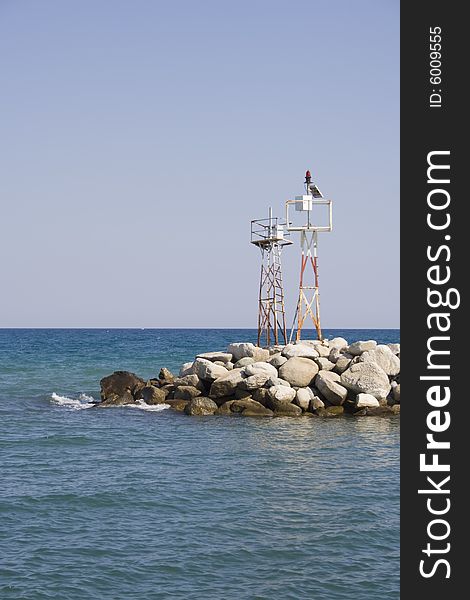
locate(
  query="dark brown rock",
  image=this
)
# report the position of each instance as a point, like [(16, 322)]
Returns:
[(261, 395), (287, 410), (200, 406), (248, 407), (120, 388), (166, 375), (152, 395), (224, 409), (178, 405), (186, 392)]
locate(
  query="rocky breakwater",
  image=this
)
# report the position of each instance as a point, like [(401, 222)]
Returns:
[(308, 378)]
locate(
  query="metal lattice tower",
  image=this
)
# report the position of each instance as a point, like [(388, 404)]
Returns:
[(308, 303), (268, 235)]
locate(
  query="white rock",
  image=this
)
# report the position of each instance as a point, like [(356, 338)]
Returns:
[(299, 351), (298, 371), (396, 393), (384, 357), (395, 348), (277, 360), (335, 353), (282, 393), (186, 369), (360, 347), (260, 367), (277, 381), (324, 364), (247, 360), (312, 343), (243, 349), (328, 384), (226, 385), (367, 378), (366, 400), (323, 351), (216, 356), (303, 398), (207, 370), (342, 363), (339, 343), (253, 382)]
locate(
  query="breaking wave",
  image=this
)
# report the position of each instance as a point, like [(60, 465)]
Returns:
[(83, 401), (79, 403)]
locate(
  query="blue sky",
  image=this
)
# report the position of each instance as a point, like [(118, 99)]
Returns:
[(138, 140)]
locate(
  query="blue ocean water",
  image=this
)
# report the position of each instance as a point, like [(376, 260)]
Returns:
[(125, 503)]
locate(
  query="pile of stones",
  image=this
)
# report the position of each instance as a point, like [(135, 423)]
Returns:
[(309, 378)]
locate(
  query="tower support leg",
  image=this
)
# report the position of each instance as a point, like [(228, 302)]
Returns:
[(308, 303)]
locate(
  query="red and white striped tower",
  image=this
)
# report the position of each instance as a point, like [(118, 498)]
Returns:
[(308, 303)]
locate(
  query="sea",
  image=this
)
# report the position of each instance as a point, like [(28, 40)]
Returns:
[(150, 504)]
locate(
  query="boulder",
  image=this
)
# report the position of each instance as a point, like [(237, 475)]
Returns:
[(324, 364), (178, 405), (396, 392), (260, 367), (186, 369), (120, 388), (165, 375), (384, 357), (277, 381), (281, 393), (247, 349), (287, 410), (316, 403), (250, 407), (335, 353), (241, 393), (323, 351), (224, 409), (359, 347), (153, 395), (379, 411), (200, 406), (224, 399), (303, 398), (328, 384), (168, 389), (189, 380), (207, 370), (330, 411), (243, 362), (223, 357), (299, 351), (338, 343), (342, 363), (254, 381), (366, 401), (395, 348), (229, 366), (227, 384), (261, 395), (367, 378), (298, 371), (277, 360), (186, 392)]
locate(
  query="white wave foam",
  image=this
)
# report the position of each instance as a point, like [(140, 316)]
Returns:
[(83, 401), (150, 407)]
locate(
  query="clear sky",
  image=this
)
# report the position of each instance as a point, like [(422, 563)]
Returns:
[(138, 139)]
